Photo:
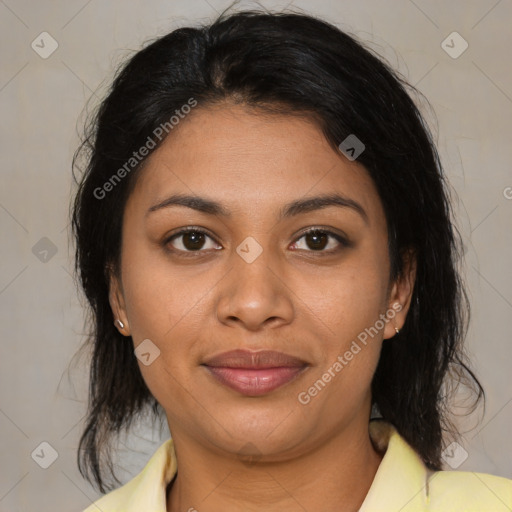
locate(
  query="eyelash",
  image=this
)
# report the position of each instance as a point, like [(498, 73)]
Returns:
[(344, 242)]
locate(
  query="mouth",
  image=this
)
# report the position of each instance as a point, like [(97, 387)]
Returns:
[(254, 373)]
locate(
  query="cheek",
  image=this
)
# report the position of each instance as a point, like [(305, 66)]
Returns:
[(167, 305), (158, 295), (164, 307), (346, 306), (349, 297)]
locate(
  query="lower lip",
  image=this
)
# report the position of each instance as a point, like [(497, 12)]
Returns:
[(255, 382)]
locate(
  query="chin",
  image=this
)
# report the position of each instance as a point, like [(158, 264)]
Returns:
[(272, 431)]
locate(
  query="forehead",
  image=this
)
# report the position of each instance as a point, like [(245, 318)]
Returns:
[(248, 159)]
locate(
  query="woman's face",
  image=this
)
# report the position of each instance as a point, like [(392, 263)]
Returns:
[(256, 281)]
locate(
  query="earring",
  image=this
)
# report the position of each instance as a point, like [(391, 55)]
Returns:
[(119, 323), (397, 330)]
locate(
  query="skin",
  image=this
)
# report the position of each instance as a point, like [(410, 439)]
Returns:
[(294, 298)]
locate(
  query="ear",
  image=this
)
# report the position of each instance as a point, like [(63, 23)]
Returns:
[(400, 295), (117, 303)]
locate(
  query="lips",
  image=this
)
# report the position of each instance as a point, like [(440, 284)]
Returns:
[(254, 360), (254, 373)]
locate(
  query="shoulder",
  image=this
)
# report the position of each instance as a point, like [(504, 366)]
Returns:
[(146, 491), (404, 483), (467, 490)]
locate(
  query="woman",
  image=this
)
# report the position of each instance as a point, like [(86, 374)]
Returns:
[(264, 237)]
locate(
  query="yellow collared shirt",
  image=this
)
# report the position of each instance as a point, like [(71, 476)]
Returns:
[(402, 483)]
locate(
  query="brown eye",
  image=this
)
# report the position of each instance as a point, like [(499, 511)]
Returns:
[(317, 240), (192, 240)]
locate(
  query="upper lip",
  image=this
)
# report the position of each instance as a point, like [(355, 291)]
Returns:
[(254, 360)]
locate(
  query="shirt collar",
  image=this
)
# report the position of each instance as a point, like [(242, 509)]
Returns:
[(400, 481)]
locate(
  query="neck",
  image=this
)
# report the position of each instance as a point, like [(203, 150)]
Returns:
[(334, 475)]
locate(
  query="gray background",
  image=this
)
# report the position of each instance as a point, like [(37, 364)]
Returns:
[(40, 102)]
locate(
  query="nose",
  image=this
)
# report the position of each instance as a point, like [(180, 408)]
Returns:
[(255, 294)]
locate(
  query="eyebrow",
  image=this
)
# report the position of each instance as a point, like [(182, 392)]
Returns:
[(294, 208)]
